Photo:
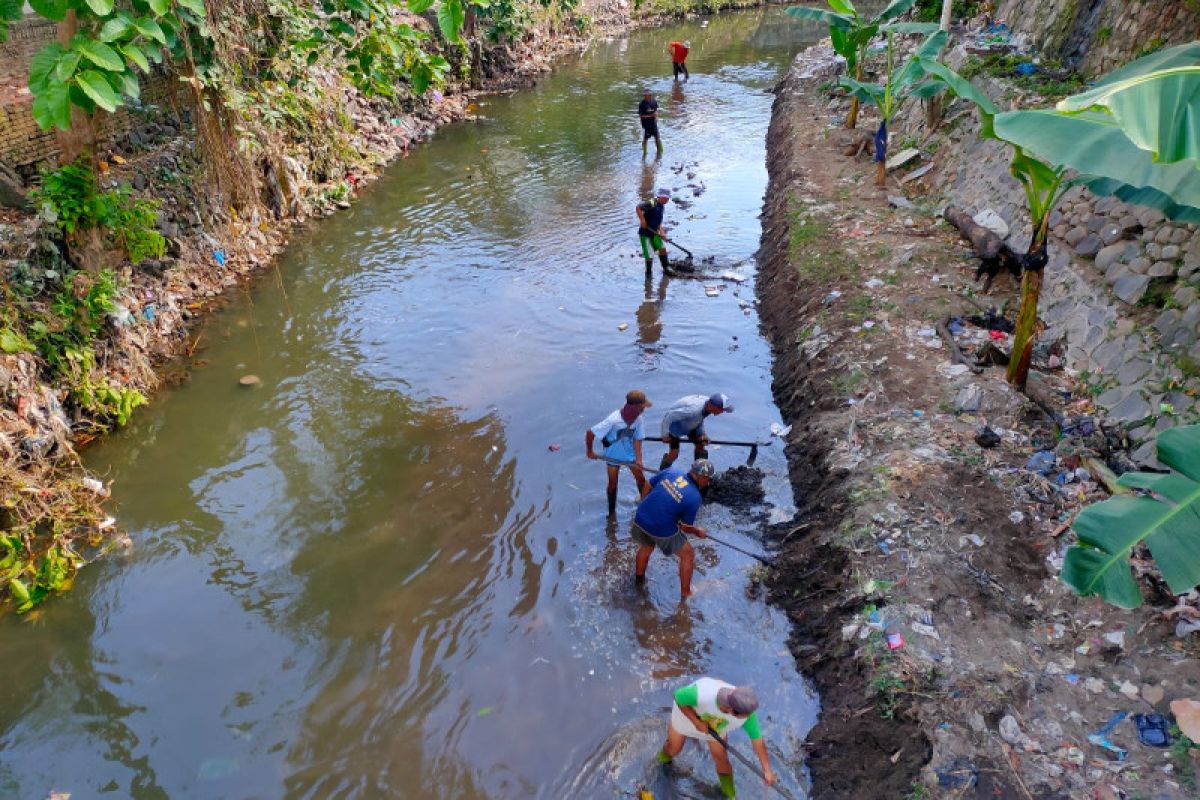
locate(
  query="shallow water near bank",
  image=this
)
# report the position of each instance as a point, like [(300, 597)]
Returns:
[(372, 575)]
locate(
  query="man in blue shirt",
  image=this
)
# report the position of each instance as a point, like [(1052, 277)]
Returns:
[(648, 114), (621, 433), (665, 517)]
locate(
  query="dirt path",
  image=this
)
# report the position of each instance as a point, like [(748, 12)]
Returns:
[(911, 528)]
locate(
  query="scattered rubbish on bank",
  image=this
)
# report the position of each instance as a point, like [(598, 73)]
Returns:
[(986, 437), (623, 326), (554, 448), (249, 380)]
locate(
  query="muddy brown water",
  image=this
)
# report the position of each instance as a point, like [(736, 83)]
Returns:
[(372, 576)]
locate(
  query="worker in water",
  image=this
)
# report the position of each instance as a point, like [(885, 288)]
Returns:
[(666, 517), (679, 54), (648, 114), (650, 228), (710, 703), (621, 433), (685, 420)]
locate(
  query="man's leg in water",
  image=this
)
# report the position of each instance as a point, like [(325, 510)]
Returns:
[(613, 472), (674, 744), (687, 562), (724, 768), (645, 241), (642, 561)]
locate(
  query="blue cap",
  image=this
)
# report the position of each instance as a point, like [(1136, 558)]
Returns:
[(721, 401)]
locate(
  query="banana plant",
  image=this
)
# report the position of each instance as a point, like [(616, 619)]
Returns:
[(1163, 511), (900, 83), (851, 32), (1132, 136)]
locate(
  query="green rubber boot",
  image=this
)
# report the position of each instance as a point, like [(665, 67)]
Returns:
[(663, 758), (726, 782)]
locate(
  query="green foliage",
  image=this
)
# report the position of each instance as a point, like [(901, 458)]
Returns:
[(31, 579), (1051, 79), (70, 199), (10, 11), (98, 68), (849, 31), (1164, 514), (931, 10)]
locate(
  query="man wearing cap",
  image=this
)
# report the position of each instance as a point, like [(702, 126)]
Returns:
[(648, 114), (650, 228), (666, 515), (685, 420), (724, 707), (621, 433), (679, 54)]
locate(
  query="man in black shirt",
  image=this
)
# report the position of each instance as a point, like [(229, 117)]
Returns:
[(648, 114), (650, 228)]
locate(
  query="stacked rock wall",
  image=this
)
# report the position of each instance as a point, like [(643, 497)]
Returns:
[(1122, 285), (1097, 35)]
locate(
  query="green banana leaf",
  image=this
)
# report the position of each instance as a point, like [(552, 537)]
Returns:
[(1166, 516), (1158, 111), (1092, 145)]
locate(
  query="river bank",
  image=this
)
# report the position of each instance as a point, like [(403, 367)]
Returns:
[(921, 575), (147, 339)]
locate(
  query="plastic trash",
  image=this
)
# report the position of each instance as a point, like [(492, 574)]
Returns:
[(1028, 68), (1041, 462), (895, 641), (1153, 730), (955, 326), (219, 257), (986, 437), (1100, 737), (554, 448)]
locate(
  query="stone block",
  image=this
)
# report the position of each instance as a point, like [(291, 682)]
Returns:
[(1112, 253), (1105, 204), (1181, 235), (1133, 410), (1129, 224), (1167, 322), (1170, 252), (1139, 265), (1074, 235), (1153, 251), (1131, 288), (1150, 217), (1161, 269), (1185, 295), (1110, 233), (1088, 246), (1164, 234), (1133, 371), (1115, 272), (1096, 224)]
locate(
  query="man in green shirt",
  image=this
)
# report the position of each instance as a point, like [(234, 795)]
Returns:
[(724, 707)]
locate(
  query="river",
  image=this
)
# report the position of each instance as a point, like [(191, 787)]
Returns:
[(374, 575)]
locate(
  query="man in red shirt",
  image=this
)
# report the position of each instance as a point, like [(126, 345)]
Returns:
[(679, 53)]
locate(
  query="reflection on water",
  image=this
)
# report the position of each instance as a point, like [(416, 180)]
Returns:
[(374, 576)]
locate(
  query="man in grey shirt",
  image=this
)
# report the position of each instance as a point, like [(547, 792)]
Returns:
[(685, 420)]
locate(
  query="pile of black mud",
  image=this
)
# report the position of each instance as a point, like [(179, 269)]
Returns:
[(739, 488)]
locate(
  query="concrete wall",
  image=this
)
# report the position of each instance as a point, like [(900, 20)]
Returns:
[(1097, 35)]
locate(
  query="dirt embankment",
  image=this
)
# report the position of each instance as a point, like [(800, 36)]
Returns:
[(921, 573)]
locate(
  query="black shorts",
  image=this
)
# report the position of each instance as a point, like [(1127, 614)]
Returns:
[(649, 130), (692, 436), (668, 546)]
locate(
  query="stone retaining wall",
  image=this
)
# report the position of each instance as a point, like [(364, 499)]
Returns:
[(1111, 266), (1097, 35)]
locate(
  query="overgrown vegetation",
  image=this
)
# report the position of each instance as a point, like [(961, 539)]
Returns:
[(1049, 78)]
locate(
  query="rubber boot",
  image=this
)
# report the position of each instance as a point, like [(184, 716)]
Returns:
[(612, 502), (649, 266), (658, 146), (644, 142), (726, 782), (666, 262), (663, 758)]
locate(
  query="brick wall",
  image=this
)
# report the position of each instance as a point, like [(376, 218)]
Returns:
[(1098, 35), (23, 145)]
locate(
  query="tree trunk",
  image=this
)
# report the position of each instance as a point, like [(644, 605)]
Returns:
[(474, 47), (986, 243), (947, 12), (78, 139), (852, 117), (880, 173), (1023, 337)]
